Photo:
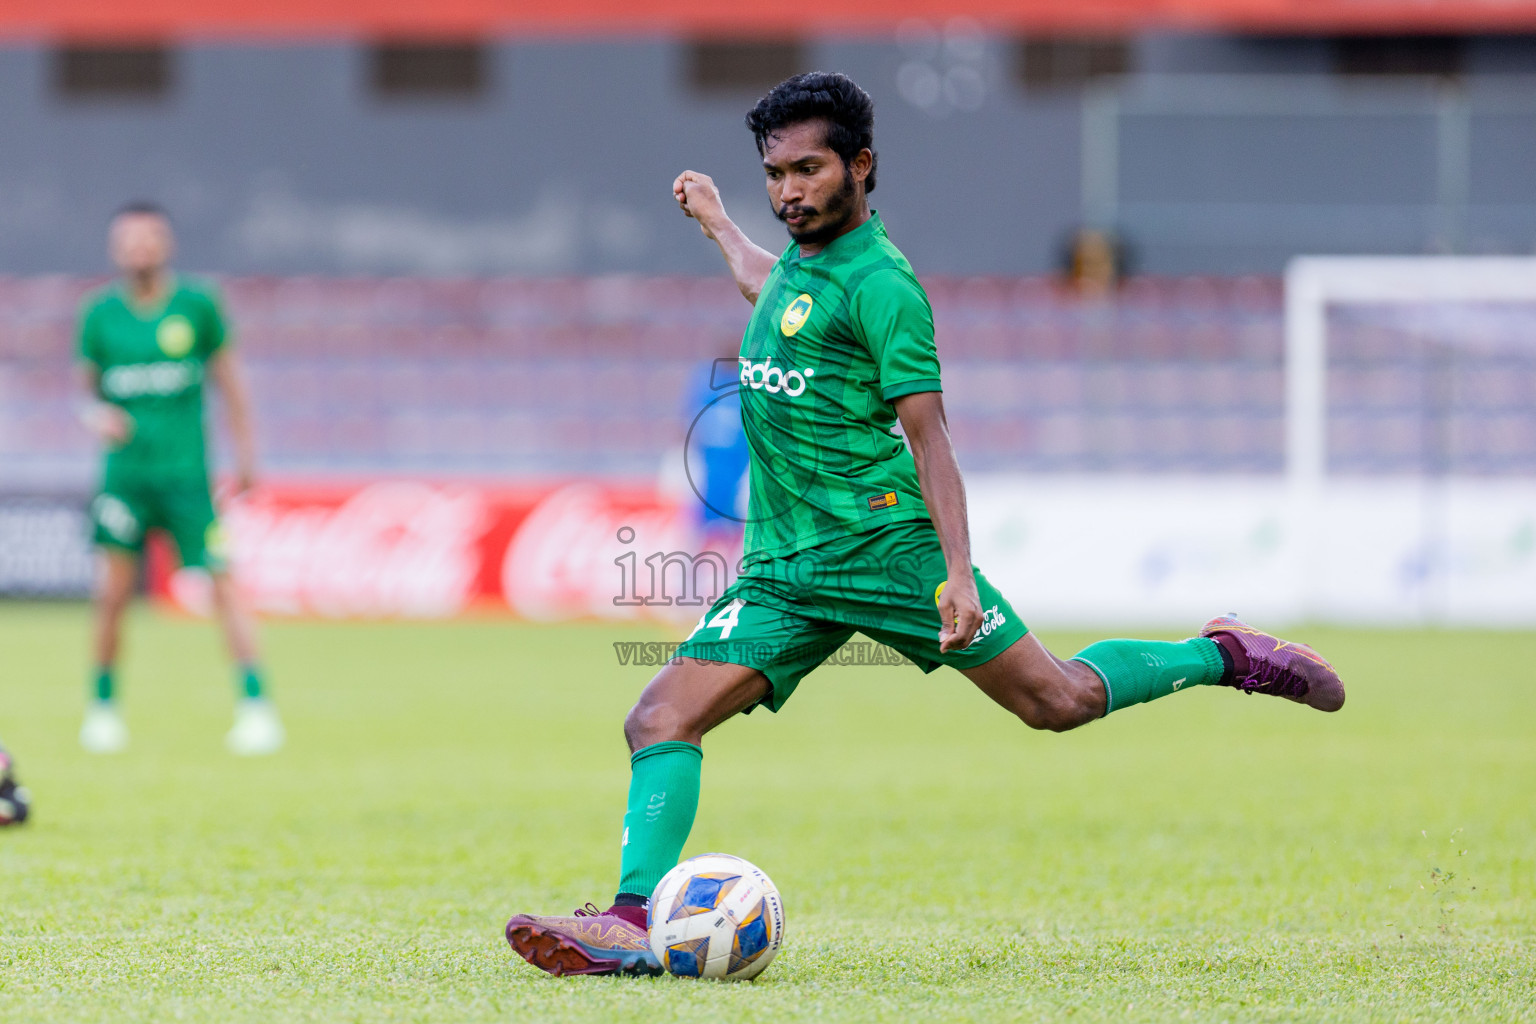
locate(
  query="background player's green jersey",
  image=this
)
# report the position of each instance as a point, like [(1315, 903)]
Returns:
[(833, 340), (152, 364)]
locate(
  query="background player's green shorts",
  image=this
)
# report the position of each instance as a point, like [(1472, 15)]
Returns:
[(124, 512), (785, 616)]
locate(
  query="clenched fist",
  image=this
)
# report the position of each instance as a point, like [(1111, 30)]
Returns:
[(698, 198)]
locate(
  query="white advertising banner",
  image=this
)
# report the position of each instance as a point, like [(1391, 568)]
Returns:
[(1157, 551)]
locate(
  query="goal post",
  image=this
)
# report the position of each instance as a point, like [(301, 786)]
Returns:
[(1431, 540), (1312, 283)]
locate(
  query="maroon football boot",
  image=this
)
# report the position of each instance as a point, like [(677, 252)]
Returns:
[(592, 941), (1266, 664)]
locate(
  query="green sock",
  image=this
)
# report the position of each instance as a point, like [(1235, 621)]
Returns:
[(1136, 671), (663, 797), (106, 685), (250, 682)]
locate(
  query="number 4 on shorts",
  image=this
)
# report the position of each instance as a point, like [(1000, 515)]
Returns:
[(725, 618)]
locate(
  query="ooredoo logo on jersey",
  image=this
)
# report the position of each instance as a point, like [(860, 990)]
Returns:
[(764, 376)]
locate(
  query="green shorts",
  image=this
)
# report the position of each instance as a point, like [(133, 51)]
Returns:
[(124, 512), (785, 616)]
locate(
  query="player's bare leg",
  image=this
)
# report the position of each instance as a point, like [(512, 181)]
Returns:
[(115, 575), (687, 699), (235, 619), (684, 701), (257, 729), (1044, 691), (103, 731)]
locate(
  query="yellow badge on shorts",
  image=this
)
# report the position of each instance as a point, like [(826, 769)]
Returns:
[(938, 592), (795, 316), (175, 336)]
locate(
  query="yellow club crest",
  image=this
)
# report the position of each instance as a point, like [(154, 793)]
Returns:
[(175, 336), (795, 316)]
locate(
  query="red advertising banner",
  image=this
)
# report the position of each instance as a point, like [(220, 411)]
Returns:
[(414, 549)]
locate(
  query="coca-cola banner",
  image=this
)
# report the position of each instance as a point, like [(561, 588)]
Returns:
[(411, 549)]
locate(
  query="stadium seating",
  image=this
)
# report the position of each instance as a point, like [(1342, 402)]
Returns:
[(517, 378)]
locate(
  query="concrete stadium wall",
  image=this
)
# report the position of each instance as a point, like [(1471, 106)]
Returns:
[(276, 159)]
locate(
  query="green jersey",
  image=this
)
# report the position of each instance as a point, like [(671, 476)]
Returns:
[(151, 363), (834, 339)]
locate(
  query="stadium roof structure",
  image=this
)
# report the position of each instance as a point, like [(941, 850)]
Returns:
[(147, 20)]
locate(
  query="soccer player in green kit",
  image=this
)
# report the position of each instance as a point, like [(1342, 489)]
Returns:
[(850, 527), (146, 344)]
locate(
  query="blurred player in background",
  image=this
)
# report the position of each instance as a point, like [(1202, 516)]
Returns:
[(146, 344), (849, 528), (15, 804), (717, 457)]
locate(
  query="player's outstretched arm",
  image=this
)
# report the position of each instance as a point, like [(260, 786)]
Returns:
[(225, 367), (938, 475), (750, 265)]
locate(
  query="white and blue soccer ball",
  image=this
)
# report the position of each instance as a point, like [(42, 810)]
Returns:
[(715, 916)]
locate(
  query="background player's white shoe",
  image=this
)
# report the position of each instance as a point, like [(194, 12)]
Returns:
[(103, 731), (257, 729)]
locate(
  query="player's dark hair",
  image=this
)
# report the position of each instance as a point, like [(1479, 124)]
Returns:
[(820, 96), (141, 206)]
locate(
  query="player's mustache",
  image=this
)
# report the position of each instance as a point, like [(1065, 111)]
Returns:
[(786, 211)]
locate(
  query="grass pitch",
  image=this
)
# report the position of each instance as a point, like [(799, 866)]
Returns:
[(1211, 856)]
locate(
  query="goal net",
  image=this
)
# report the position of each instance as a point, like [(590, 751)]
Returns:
[(1411, 437)]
